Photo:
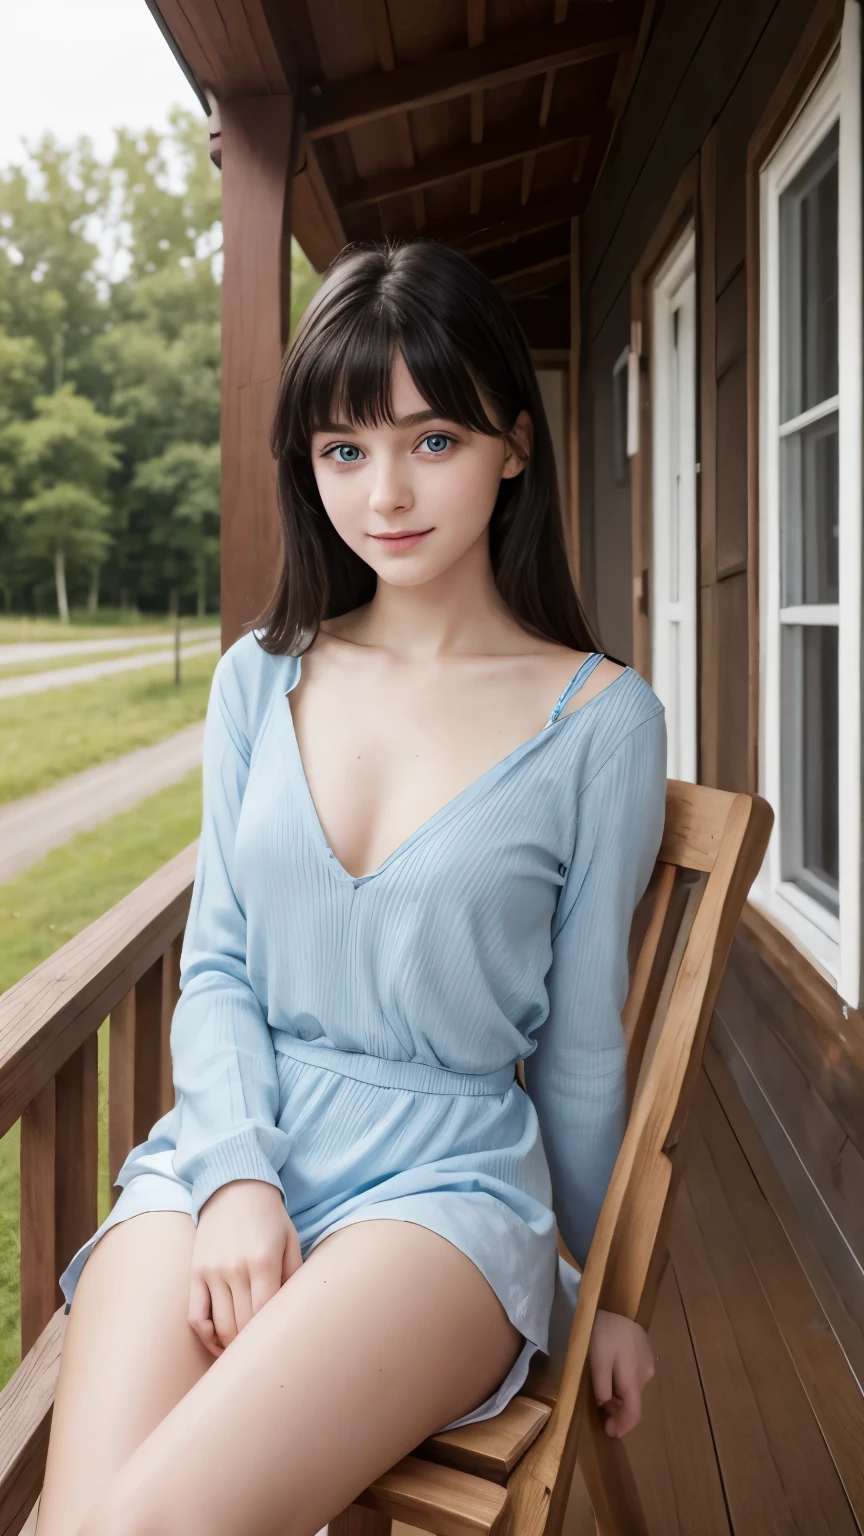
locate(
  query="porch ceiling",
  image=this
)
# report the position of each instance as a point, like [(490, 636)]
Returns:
[(483, 123)]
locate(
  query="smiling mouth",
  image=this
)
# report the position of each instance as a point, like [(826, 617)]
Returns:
[(403, 539)]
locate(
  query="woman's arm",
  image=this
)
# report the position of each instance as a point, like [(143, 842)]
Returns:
[(222, 1051), (577, 1075)]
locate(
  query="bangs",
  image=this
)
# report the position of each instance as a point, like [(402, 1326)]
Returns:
[(471, 364), (346, 376)]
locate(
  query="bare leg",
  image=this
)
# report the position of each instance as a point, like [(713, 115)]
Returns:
[(128, 1356), (386, 1333)]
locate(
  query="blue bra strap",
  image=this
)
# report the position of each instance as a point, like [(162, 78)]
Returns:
[(575, 683)]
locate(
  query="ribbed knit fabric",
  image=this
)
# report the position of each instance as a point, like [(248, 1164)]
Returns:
[(353, 1040)]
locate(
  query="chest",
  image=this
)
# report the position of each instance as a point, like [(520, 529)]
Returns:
[(380, 761)]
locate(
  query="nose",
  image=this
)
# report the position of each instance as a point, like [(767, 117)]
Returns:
[(390, 491)]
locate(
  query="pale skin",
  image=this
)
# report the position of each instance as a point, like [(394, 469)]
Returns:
[(211, 1380)]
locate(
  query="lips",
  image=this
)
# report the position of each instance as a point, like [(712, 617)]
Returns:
[(404, 540)]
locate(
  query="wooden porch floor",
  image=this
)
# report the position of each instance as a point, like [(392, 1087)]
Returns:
[(754, 1422)]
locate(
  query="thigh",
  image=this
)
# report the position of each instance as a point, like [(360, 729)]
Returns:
[(385, 1333), (128, 1356)]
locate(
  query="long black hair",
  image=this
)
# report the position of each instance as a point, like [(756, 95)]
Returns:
[(455, 331)]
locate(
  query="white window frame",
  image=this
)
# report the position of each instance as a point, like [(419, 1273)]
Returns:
[(672, 416), (830, 940)]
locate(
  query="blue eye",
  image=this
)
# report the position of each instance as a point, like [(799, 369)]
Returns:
[(350, 448), (439, 438)]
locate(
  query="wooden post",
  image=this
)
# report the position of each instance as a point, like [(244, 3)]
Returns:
[(38, 1244), (148, 1053), (256, 145), (76, 1152), (121, 1087), (170, 998)]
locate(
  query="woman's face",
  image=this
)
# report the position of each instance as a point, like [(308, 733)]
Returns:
[(428, 478)]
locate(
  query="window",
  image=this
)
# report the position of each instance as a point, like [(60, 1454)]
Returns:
[(810, 520)]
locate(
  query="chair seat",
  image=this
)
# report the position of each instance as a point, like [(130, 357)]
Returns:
[(491, 1448), (435, 1498)]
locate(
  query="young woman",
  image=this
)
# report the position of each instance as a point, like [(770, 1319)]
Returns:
[(430, 807)]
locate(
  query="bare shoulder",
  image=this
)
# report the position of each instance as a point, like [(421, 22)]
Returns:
[(602, 676)]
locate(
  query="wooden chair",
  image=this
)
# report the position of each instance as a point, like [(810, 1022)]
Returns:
[(511, 1475)]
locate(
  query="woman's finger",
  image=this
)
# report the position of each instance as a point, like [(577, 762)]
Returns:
[(241, 1296), (601, 1377), (630, 1412), (222, 1308), (199, 1315)]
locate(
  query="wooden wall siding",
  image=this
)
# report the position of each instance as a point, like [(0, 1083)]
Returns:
[(705, 64), (820, 1166), (681, 87), (587, 575), (574, 375), (695, 62), (606, 534), (256, 181), (731, 407)]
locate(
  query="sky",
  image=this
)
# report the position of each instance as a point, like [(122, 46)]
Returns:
[(84, 66)]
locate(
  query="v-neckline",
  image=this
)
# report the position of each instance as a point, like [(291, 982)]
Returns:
[(468, 793)]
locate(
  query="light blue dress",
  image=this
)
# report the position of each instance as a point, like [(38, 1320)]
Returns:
[(353, 1040)]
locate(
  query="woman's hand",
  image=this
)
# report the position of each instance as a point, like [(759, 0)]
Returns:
[(246, 1247), (621, 1361)]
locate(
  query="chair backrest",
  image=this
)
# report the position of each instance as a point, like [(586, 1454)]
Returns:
[(713, 845)]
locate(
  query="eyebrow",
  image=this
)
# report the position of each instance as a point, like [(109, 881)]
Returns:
[(413, 420)]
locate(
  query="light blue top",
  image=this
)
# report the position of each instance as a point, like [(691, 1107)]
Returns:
[(496, 931)]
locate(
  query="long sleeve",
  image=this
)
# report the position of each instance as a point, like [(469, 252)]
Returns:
[(577, 1075), (224, 1063)]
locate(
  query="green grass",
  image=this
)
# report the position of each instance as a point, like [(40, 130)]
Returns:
[(23, 627), (39, 912), (47, 736)]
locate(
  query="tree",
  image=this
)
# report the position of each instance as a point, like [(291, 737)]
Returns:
[(180, 491), (49, 277), (110, 282), (62, 459)]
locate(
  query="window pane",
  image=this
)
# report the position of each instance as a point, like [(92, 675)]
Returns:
[(809, 514), (809, 760), (808, 283)]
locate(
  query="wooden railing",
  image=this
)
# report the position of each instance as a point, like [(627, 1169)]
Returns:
[(125, 968)]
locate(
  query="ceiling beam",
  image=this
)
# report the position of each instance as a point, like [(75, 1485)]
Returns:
[(477, 104), (483, 233), (526, 252), (537, 279), (500, 149), (551, 264), (601, 28)]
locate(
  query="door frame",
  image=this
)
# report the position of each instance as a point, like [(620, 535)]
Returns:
[(681, 210), (677, 269)]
